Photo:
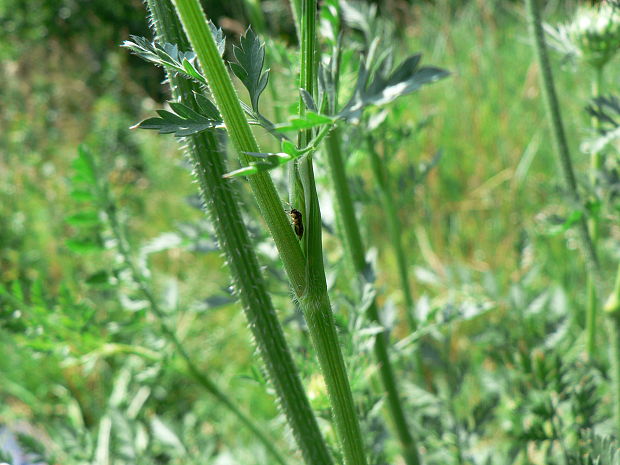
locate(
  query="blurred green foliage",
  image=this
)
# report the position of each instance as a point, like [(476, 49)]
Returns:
[(499, 295)]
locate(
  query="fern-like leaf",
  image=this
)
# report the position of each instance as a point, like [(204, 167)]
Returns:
[(184, 121)]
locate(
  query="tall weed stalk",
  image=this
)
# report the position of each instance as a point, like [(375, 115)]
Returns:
[(304, 268), (587, 244), (224, 210)]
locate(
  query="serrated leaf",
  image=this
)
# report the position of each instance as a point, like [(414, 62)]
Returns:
[(183, 122), (82, 195), (218, 35), (250, 56), (166, 55), (308, 121), (83, 246), (86, 218), (84, 166), (191, 70), (207, 107)]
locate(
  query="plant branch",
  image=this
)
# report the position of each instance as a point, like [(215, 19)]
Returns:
[(315, 303), (305, 273), (559, 135), (354, 241), (594, 225), (195, 25), (223, 208)]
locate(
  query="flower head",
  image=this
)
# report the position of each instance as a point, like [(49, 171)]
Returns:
[(593, 36)]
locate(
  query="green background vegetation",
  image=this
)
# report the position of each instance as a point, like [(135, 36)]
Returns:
[(502, 283)]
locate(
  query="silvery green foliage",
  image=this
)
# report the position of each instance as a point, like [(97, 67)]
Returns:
[(385, 86), (166, 55), (184, 121), (378, 83), (169, 56), (607, 111)]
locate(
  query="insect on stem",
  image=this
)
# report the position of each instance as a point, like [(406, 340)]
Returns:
[(298, 223)]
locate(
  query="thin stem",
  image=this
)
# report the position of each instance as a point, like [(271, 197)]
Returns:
[(394, 229), (355, 245), (559, 136), (305, 273), (594, 224), (316, 305), (589, 251), (235, 241)]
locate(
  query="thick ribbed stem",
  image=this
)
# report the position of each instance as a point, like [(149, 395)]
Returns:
[(243, 140), (224, 210), (316, 305), (305, 273)]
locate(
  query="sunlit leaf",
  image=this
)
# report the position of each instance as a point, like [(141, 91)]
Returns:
[(250, 56), (85, 218), (84, 167), (308, 121), (83, 246)]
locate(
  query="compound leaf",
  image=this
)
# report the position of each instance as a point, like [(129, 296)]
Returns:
[(183, 121), (385, 86)]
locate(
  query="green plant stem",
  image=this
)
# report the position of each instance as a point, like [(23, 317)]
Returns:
[(316, 301), (194, 22), (394, 228), (559, 136), (353, 239), (612, 305), (232, 235), (588, 249), (594, 221), (614, 360), (305, 273)]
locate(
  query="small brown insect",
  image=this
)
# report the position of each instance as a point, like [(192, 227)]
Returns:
[(298, 223)]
